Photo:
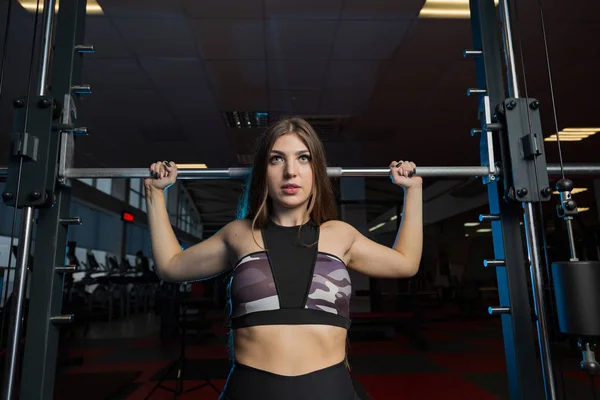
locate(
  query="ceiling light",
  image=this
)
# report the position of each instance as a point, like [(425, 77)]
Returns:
[(31, 5), (376, 227), (246, 119), (447, 9), (573, 134), (196, 166), (574, 191), (395, 217), (483, 230), (471, 223), (582, 209)]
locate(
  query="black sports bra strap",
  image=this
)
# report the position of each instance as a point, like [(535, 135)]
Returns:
[(292, 253)]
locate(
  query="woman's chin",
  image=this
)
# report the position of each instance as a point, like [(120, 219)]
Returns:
[(291, 203)]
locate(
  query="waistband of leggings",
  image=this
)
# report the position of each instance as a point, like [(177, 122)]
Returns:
[(243, 367)]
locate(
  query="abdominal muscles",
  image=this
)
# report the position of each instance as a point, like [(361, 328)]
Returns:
[(290, 349)]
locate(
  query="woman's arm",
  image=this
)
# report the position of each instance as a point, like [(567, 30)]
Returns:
[(200, 261), (403, 259)]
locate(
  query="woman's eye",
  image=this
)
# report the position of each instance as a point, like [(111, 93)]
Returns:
[(305, 158), (276, 158)]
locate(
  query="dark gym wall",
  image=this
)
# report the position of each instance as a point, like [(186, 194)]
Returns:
[(102, 228)]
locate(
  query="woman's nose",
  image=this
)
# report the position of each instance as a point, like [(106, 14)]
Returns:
[(290, 169)]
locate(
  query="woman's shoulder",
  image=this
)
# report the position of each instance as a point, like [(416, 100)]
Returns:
[(237, 227), (338, 228)]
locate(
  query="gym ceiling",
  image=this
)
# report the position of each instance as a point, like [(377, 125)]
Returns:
[(384, 83)]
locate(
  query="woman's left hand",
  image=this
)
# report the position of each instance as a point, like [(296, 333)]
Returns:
[(402, 174)]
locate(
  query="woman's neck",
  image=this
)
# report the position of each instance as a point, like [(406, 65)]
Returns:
[(289, 217)]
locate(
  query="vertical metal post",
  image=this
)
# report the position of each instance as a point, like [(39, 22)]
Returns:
[(531, 228), (517, 326), (509, 53), (41, 347), (17, 300), (48, 18), (25, 236), (538, 298)]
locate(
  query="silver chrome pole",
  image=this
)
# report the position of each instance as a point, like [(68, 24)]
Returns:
[(17, 302), (571, 235), (538, 298), (48, 18), (187, 172), (531, 230), (509, 52), (25, 235)]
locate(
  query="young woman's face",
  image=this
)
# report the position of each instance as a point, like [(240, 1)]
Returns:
[(289, 172)]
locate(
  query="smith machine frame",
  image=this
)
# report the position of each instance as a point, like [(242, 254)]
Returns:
[(513, 168)]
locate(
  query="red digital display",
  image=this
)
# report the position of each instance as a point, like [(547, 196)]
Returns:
[(127, 217)]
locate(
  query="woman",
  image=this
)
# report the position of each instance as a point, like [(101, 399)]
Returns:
[(288, 258)]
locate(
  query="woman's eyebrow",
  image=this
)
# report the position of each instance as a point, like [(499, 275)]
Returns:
[(297, 153)]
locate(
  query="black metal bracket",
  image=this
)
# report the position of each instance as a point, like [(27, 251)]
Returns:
[(30, 144), (522, 132)]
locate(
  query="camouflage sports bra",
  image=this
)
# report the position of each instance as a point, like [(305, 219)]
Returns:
[(290, 283)]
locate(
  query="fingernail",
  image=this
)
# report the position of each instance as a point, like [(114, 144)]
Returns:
[(168, 164)]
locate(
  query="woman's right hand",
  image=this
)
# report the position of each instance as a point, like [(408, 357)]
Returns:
[(162, 175)]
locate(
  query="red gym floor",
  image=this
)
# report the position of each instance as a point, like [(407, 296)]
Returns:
[(464, 360)]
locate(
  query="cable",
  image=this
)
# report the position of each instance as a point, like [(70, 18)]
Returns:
[(553, 320), (14, 219), (562, 167), (2, 65), (4, 47)]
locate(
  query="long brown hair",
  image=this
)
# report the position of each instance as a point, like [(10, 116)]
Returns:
[(255, 203)]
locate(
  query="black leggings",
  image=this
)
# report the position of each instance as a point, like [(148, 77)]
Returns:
[(331, 383)]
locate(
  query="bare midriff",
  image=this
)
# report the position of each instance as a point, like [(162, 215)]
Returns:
[(290, 350)]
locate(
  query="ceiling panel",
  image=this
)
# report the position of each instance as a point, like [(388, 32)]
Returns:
[(223, 9), (295, 101), (230, 38), (311, 9), (288, 38), (565, 40), (414, 74), (457, 78), (141, 8), (175, 73), (103, 34), (190, 100), (369, 39), (345, 74), (236, 99), (381, 9), (158, 37), (100, 152), (301, 73), (241, 75), (135, 106), (582, 11), (344, 101), (114, 73), (406, 104), (437, 39)]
